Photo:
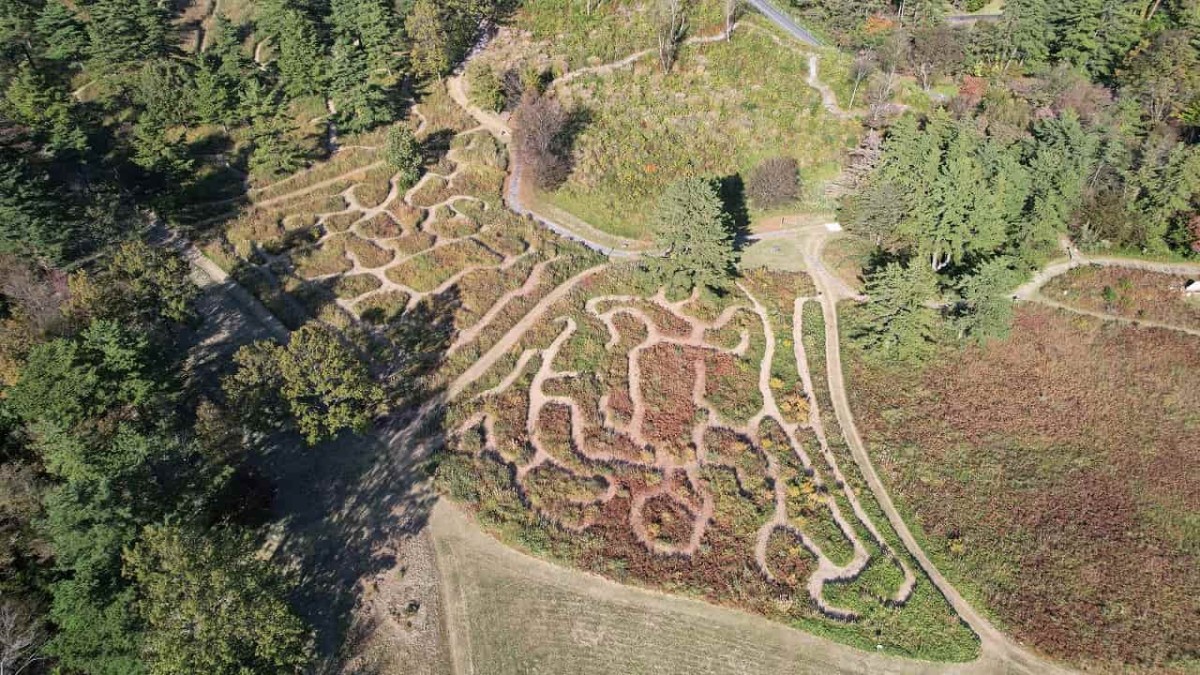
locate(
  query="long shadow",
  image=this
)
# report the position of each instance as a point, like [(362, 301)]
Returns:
[(578, 120), (436, 145), (344, 507), (732, 190)]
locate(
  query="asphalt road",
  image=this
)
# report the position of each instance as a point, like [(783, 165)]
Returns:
[(784, 21)]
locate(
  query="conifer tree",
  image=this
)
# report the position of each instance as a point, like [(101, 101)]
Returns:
[(696, 236), (361, 103), (61, 32), (123, 33), (301, 55), (373, 25), (897, 325)]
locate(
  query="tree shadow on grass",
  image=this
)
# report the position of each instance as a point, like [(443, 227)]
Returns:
[(436, 145), (732, 190), (345, 508)]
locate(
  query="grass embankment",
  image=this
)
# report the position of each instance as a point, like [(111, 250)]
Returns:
[(724, 107), (1051, 478)]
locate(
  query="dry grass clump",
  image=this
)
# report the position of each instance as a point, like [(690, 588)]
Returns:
[(380, 226), (442, 113), (382, 308), (367, 253), (353, 161), (408, 216), (412, 244), (432, 190), (482, 149), (340, 222), (354, 285), (480, 181), (454, 227), (299, 221), (328, 257), (428, 271), (375, 188)]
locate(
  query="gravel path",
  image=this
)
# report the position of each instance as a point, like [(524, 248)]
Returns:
[(996, 648)]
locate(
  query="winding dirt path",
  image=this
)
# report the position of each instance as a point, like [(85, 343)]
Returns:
[(514, 334), (1031, 291), (828, 98), (995, 647)]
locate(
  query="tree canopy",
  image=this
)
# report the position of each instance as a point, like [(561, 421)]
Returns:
[(695, 235)]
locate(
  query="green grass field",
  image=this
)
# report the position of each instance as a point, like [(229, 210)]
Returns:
[(724, 107)]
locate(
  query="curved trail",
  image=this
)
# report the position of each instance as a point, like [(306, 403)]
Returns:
[(606, 68), (828, 98), (998, 653), (1054, 269), (1140, 323), (1031, 290), (516, 191), (514, 335), (996, 648)]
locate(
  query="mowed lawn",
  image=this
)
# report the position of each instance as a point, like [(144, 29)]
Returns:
[(1054, 477), (724, 107)]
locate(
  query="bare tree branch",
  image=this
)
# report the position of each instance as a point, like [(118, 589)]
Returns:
[(21, 638), (671, 23)]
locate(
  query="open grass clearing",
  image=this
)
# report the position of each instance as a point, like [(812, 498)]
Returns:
[(725, 107), (1049, 477)]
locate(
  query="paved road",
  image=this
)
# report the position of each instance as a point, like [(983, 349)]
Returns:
[(970, 19), (784, 21)]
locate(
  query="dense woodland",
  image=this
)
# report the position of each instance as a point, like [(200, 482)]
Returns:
[(129, 536), (1074, 119), (131, 519)]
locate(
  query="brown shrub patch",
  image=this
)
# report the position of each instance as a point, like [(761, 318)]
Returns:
[(380, 226), (354, 285), (1134, 294), (668, 375), (731, 386), (412, 244), (725, 448), (1053, 474), (454, 227), (328, 257), (777, 290), (375, 188), (340, 222), (409, 217), (432, 190), (789, 561), (667, 521), (480, 181), (555, 490), (427, 271), (368, 254)]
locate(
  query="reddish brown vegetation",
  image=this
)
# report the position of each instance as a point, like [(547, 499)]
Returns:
[(1135, 294), (668, 373), (1054, 473)]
